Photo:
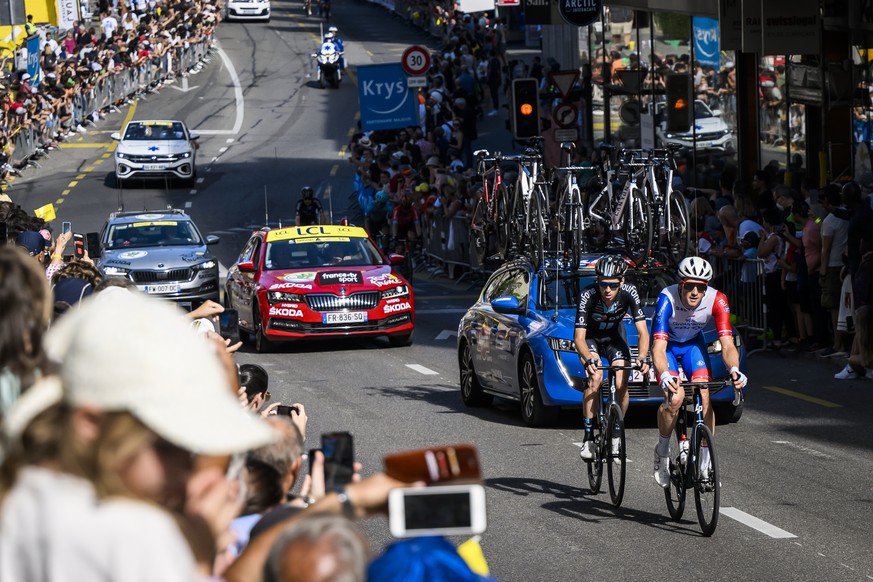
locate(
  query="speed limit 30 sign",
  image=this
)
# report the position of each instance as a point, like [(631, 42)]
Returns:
[(415, 60)]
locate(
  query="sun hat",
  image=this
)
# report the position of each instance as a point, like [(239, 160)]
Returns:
[(122, 350), (365, 141)]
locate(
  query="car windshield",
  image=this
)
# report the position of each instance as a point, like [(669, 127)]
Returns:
[(564, 289), (701, 111), (321, 252), (152, 233), (155, 130)]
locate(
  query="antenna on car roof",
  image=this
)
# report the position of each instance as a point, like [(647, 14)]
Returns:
[(266, 211)]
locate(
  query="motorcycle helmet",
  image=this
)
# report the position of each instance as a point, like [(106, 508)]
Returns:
[(333, 29), (307, 192), (328, 36), (695, 268), (610, 267)]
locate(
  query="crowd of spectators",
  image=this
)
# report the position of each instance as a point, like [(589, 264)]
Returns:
[(809, 251), (91, 56)]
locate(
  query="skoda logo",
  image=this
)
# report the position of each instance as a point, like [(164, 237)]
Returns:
[(342, 290), (160, 265)]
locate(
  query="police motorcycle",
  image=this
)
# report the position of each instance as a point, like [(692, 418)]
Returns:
[(328, 63)]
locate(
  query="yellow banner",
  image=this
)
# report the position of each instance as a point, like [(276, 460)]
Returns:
[(46, 212)]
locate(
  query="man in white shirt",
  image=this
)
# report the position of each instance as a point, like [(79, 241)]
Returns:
[(109, 24)]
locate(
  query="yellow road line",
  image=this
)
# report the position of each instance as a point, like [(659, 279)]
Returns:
[(97, 163), (80, 177), (65, 192), (106, 156), (59, 201), (342, 152), (89, 169), (805, 397), (334, 169), (73, 184), (69, 146)]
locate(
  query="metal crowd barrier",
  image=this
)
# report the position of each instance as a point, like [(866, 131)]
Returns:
[(111, 90), (742, 282)]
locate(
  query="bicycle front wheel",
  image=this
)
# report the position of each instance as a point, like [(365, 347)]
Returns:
[(595, 465), (675, 492), (637, 227), (616, 458), (576, 226), (512, 224), (707, 486), (678, 231), (479, 231), (537, 231)]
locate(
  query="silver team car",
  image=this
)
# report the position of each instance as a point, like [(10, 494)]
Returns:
[(162, 252), (248, 10), (156, 148)]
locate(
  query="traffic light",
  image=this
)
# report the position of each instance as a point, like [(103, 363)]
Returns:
[(680, 107), (525, 108)]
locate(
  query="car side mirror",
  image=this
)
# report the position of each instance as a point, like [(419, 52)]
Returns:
[(246, 266), (396, 259), (193, 136), (507, 305), (212, 239), (716, 112), (116, 136)]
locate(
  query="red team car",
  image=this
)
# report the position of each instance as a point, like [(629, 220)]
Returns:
[(318, 281)]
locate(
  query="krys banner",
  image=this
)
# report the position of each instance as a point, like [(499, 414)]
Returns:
[(386, 101)]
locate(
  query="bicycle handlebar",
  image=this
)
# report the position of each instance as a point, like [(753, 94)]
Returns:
[(719, 385)]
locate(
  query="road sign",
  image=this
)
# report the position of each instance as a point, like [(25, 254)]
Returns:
[(561, 135), (386, 101), (415, 82), (564, 81), (415, 60), (564, 115)]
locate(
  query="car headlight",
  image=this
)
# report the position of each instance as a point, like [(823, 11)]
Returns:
[(281, 297), (121, 155), (668, 135), (562, 345), (726, 132), (115, 271), (204, 266), (185, 155), (399, 291)]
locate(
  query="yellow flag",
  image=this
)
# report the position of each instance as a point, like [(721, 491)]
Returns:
[(46, 212), (472, 553)]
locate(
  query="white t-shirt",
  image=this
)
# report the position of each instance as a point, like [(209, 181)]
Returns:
[(53, 528), (109, 24), (839, 229), (746, 226)]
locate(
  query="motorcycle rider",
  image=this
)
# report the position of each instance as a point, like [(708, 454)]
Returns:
[(339, 45), (309, 210)]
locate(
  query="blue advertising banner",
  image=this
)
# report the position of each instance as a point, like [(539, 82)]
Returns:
[(706, 49), (33, 68), (386, 101)]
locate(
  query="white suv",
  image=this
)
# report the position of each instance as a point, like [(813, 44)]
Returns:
[(156, 148), (248, 10), (710, 131)]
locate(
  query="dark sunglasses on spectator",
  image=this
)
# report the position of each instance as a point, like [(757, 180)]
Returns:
[(699, 287), (607, 284)]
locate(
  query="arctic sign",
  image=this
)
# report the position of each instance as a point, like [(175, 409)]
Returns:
[(580, 12), (386, 101)]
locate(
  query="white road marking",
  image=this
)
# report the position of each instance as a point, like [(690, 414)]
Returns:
[(238, 97), (755, 523), (188, 204), (803, 449), (446, 334), (201, 180), (439, 311), (229, 140), (193, 191), (222, 149), (422, 370)]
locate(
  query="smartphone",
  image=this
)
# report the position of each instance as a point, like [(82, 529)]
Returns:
[(92, 243), (4, 232), (311, 459), (339, 459), (67, 227), (228, 324), (435, 464), (79, 245), (283, 410), (441, 510), (67, 258)]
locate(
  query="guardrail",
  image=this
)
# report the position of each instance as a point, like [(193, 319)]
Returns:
[(743, 283)]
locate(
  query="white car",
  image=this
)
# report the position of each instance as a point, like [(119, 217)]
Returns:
[(710, 132), (248, 10), (156, 148)]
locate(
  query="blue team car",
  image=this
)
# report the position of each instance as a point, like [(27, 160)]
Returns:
[(516, 342)]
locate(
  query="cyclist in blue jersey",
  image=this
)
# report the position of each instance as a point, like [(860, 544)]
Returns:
[(683, 311), (600, 331)]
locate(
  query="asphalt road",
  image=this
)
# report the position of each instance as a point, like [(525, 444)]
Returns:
[(796, 470)]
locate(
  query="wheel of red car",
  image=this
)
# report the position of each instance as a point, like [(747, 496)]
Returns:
[(262, 344)]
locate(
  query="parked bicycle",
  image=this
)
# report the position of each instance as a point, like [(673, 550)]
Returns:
[(569, 224), (527, 218), (486, 224), (667, 208), (694, 462), (609, 442)]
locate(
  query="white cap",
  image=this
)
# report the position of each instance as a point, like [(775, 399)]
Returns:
[(25, 76), (125, 351)]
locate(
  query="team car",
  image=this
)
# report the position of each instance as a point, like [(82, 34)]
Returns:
[(162, 252), (154, 148), (710, 133), (319, 281), (248, 10), (516, 342)]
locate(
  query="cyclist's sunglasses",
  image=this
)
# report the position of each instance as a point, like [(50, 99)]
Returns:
[(699, 287), (609, 285)]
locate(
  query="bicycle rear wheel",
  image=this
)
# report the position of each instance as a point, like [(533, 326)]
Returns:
[(502, 219), (511, 226), (678, 230), (675, 492), (707, 486), (537, 231), (637, 227), (479, 237), (616, 461), (595, 465)]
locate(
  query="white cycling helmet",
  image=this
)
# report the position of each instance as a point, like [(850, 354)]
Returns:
[(695, 268), (333, 29)]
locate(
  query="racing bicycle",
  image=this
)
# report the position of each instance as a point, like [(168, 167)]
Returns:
[(667, 208), (526, 220), (688, 469), (609, 441), (569, 212), (489, 214)]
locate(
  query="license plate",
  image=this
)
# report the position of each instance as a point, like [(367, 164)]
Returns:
[(154, 167), (636, 377), (344, 317), (165, 288)]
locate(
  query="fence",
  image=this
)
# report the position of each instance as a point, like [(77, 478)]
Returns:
[(111, 90), (742, 281)]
